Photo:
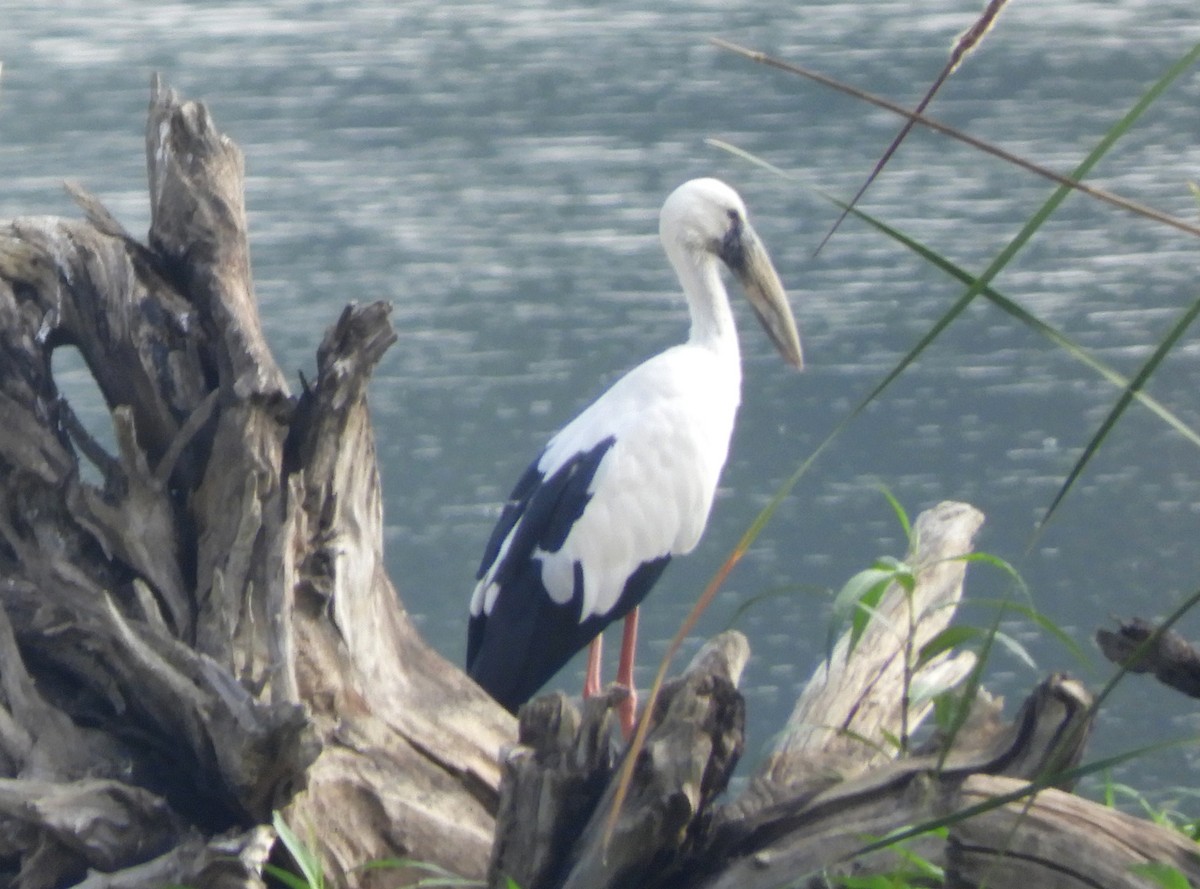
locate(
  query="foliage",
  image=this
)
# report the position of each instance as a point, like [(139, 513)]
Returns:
[(855, 604), (312, 873), (913, 870), (305, 856)]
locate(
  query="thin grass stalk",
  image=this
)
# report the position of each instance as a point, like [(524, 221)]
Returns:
[(1110, 421), (974, 289), (1036, 324), (1093, 191), (1031, 227), (966, 42)]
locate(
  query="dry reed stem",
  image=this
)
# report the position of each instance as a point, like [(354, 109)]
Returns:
[(937, 126), (965, 44)]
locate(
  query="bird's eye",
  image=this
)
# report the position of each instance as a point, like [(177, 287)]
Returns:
[(733, 233)]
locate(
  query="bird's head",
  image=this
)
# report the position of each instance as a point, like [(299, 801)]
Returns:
[(707, 216)]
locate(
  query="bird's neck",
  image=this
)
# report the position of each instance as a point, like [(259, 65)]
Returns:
[(708, 304)]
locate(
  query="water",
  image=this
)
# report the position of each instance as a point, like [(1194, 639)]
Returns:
[(496, 170)]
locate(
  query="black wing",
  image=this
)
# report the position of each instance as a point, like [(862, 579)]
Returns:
[(526, 637)]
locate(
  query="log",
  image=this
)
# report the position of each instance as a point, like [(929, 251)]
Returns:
[(1141, 647), (825, 827), (208, 634), (1058, 840), (557, 790), (836, 782)]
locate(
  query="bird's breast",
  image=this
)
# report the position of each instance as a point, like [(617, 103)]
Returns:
[(651, 494)]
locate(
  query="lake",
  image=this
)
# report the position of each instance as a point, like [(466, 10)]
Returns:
[(495, 171)]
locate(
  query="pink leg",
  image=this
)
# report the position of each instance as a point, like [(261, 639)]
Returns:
[(627, 709), (591, 681)]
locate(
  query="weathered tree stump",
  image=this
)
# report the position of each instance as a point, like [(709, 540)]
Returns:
[(208, 636), (836, 782)]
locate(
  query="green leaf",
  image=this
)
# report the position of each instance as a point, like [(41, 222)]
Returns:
[(922, 866), (957, 636), (304, 855), (856, 588), (1123, 402), (289, 879), (1163, 874), (901, 515), (892, 739), (1043, 622), (1016, 649), (947, 639), (858, 598)]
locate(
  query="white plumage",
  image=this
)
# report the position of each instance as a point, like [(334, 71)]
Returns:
[(629, 483)]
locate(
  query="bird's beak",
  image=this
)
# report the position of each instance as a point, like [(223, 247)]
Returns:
[(767, 297)]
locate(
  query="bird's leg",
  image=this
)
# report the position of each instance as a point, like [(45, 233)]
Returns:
[(627, 709), (591, 681)]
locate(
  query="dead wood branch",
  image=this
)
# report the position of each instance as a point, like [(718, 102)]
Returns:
[(208, 634), (1144, 648), (836, 782)]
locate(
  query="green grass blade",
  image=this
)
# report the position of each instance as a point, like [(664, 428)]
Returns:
[(901, 514), (1036, 324), (943, 129), (625, 773), (286, 877), (1173, 618), (1041, 621), (1118, 409), (958, 636), (439, 877), (1161, 875), (302, 853), (785, 591), (1027, 231), (966, 43)]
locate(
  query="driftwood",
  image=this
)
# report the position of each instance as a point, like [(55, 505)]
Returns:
[(835, 782), (209, 634), (1142, 647), (206, 636)]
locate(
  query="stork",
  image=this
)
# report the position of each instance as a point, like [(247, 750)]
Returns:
[(629, 483)]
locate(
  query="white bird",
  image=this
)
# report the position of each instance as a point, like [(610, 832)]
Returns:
[(629, 483)]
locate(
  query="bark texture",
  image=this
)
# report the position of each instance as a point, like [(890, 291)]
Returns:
[(206, 633), (1141, 647)]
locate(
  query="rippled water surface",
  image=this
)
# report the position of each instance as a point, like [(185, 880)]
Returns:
[(495, 170)]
